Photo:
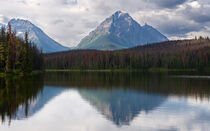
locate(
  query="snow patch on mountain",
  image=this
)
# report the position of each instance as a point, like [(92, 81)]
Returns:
[(36, 35)]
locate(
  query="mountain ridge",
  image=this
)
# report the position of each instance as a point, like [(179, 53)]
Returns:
[(36, 35), (120, 31)]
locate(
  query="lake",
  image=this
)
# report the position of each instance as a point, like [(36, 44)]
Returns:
[(105, 101)]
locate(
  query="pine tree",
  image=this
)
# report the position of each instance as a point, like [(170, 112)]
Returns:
[(28, 54), (9, 50), (1, 55), (17, 54)]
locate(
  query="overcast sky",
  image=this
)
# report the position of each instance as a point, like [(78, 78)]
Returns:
[(68, 21)]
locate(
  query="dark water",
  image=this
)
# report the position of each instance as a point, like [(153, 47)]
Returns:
[(105, 102)]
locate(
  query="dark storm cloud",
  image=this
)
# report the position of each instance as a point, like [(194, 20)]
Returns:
[(167, 3), (180, 28), (200, 15)]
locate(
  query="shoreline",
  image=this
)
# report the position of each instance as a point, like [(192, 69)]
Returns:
[(14, 73), (122, 70), (151, 70)]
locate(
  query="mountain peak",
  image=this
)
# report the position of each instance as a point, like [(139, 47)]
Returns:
[(36, 35), (120, 14), (120, 31), (20, 21)]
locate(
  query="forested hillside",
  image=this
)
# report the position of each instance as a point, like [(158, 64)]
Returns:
[(17, 55), (181, 54)]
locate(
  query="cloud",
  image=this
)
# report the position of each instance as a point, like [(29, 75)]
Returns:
[(170, 24), (167, 3), (69, 2), (198, 13), (58, 21), (91, 24), (4, 19), (68, 21)]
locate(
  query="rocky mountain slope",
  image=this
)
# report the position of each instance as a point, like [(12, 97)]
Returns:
[(120, 31)]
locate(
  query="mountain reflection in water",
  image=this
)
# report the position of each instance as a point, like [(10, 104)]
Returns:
[(121, 106), (120, 97)]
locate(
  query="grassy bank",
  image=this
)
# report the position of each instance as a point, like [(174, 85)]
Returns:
[(123, 70), (18, 73), (77, 70)]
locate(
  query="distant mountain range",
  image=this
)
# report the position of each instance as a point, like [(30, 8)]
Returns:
[(36, 35), (120, 31), (116, 32)]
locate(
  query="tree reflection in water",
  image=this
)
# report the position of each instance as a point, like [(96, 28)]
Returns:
[(18, 92), (120, 97)]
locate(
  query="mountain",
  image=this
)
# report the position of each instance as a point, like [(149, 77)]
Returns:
[(47, 94), (120, 31), (36, 35), (1, 25), (121, 106)]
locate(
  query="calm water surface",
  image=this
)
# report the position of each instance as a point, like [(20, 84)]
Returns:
[(105, 102)]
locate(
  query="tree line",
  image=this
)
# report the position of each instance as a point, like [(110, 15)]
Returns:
[(180, 54), (18, 55)]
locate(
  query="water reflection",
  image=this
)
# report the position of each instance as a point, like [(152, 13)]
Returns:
[(17, 94), (122, 98), (22, 97), (158, 83), (121, 106), (43, 97)]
